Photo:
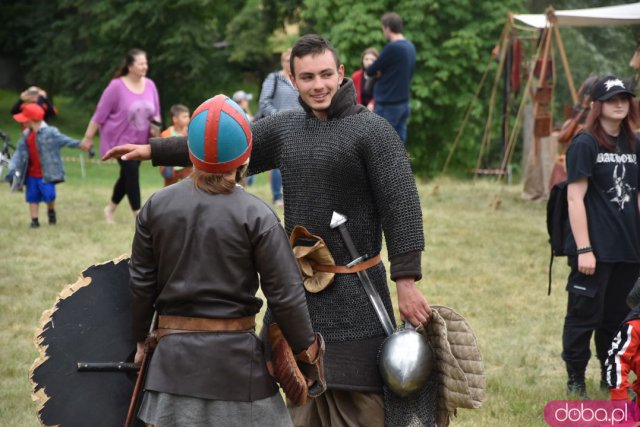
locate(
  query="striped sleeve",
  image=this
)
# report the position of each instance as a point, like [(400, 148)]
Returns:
[(620, 359)]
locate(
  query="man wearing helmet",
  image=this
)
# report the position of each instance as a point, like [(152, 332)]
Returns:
[(198, 268), (337, 156)]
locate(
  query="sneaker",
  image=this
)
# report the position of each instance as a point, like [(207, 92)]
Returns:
[(52, 217), (35, 223), (108, 215), (279, 203)]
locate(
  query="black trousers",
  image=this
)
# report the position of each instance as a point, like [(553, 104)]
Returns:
[(597, 304), (128, 183)]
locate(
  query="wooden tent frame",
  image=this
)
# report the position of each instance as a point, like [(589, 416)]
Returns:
[(544, 50)]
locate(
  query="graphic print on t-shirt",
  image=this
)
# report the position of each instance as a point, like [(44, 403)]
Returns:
[(140, 114), (620, 190)]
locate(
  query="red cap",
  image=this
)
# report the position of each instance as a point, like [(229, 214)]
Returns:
[(29, 111)]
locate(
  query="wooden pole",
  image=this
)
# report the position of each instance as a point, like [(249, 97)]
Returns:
[(565, 64), (504, 44)]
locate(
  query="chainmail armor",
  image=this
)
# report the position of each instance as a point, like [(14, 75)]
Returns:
[(354, 164)]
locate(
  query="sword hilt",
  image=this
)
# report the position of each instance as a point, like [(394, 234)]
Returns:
[(338, 222), (346, 238)]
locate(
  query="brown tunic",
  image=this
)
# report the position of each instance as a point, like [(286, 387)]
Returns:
[(199, 255)]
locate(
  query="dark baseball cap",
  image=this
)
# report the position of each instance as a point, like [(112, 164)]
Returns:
[(608, 87)]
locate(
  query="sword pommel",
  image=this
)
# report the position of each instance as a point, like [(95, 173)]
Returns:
[(337, 220)]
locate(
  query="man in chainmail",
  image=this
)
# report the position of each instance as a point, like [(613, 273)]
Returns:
[(337, 156)]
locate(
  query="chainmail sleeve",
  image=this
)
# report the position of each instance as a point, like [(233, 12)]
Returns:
[(172, 151), (396, 196), (268, 135)]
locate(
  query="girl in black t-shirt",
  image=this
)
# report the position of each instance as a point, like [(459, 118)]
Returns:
[(603, 175)]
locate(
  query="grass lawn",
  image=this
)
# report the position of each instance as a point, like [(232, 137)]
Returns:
[(489, 265)]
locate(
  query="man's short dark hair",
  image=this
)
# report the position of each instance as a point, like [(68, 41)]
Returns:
[(392, 21), (312, 44)]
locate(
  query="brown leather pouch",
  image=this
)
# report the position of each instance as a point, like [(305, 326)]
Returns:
[(285, 368), (311, 250)]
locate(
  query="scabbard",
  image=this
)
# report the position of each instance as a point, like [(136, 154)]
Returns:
[(149, 345), (137, 390)]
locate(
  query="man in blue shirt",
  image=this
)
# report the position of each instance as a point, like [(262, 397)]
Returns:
[(394, 70)]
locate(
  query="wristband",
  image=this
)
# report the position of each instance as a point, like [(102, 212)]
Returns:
[(584, 250)]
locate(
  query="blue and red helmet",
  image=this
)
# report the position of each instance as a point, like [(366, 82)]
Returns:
[(219, 136)]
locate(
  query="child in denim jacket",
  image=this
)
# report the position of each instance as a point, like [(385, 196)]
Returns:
[(37, 162)]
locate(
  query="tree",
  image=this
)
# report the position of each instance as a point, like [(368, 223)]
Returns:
[(453, 41), (79, 44)]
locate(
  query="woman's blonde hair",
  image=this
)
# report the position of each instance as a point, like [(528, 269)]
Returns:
[(216, 183)]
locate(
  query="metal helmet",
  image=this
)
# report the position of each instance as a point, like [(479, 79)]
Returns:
[(405, 361), (219, 136)]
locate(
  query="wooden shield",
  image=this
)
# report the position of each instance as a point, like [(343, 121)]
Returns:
[(90, 322)]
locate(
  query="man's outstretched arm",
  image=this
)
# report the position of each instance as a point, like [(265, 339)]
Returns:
[(172, 151), (129, 152)]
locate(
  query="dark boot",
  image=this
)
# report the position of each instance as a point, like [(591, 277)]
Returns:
[(576, 386), (52, 216), (604, 384), (34, 223)]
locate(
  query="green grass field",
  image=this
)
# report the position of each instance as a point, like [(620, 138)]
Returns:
[(489, 265)]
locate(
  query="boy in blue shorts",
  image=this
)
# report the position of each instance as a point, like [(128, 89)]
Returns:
[(37, 160)]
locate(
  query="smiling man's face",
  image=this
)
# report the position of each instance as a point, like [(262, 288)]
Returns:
[(317, 79)]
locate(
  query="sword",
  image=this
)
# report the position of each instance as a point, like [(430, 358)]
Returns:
[(338, 221)]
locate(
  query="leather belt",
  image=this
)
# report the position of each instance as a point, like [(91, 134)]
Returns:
[(344, 269), (168, 325)]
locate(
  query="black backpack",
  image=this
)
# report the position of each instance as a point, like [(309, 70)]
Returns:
[(558, 225)]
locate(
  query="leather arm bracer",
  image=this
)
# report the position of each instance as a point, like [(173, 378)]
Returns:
[(313, 367)]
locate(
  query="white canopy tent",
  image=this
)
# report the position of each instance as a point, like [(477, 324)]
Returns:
[(623, 14)]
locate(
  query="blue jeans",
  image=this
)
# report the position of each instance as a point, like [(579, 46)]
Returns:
[(397, 115), (276, 184)]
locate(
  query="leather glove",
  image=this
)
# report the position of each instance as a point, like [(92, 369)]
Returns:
[(313, 368)]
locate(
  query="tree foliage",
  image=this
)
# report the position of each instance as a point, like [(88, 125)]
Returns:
[(453, 41), (85, 42), (197, 48)]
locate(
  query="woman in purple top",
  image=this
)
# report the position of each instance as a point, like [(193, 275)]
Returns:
[(124, 115)]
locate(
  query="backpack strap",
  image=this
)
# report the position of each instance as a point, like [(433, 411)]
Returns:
[(275, 84)]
